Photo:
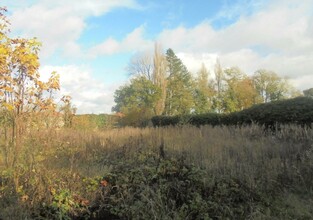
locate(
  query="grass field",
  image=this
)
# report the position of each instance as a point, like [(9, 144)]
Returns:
[(161, 173)]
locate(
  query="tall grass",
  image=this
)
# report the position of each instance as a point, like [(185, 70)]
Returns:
[(60, 171)]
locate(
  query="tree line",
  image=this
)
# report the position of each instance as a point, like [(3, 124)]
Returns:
[(161, 84)]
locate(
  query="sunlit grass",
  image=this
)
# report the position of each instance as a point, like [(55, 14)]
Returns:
[(72, 163)]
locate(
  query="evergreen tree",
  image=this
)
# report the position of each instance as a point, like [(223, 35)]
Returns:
[(180, 87)]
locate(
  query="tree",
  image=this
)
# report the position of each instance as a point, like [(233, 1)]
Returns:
[(68, 111), (141, 65), (204, 91), (308, 92), (153, 68), (180, 87), (239, 91), (270, 86), (159, 77), (22, 93), (219, 77), (137, 100)]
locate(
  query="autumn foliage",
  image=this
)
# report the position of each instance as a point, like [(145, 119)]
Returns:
[(86, 168), (22, 93)]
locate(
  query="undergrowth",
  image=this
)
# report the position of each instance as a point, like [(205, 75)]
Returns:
[(162, 173)]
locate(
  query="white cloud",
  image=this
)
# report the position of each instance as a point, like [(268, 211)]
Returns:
[(303, 82), (196, 39), (89, 7), (134, 41), (194, 61), (55, 27), (275, 28), (242, 7), (88, 94), (59, 24), (279, 36)]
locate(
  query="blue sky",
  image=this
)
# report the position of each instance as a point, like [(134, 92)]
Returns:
[(90, 42)]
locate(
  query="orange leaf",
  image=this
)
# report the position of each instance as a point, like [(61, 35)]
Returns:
[(104, 183)]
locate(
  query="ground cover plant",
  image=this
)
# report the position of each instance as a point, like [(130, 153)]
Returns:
[(182, 172)]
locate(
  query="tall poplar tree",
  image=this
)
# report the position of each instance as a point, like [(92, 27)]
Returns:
[(159, 77), (219, 77)]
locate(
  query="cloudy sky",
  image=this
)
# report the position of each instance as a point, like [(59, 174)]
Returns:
[(90, 42)]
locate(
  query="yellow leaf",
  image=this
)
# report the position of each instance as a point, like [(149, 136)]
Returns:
[(7, 89), (8, 106)]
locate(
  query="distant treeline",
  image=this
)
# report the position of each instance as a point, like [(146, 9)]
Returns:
[(291, 111), (94, 121), (161, 84)]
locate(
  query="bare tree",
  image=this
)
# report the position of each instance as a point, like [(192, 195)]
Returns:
[(154, 68), (141, 64)]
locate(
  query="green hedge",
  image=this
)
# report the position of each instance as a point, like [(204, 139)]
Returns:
[(198, 120), (206, 119), (291, 111), (161, 121)]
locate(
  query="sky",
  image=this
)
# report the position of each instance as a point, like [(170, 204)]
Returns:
[(90, 42)]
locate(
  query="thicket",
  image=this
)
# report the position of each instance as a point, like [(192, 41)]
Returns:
[(271, 115)]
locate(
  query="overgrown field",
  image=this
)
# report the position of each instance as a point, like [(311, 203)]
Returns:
[(161, 173)]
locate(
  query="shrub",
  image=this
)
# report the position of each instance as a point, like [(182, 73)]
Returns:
[(170, 189), (206, 119), (161, 120), (292, 111)]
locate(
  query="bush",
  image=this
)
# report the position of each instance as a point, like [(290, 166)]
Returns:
[(147, 187), (206, 119), (161, 121), (292, 111)]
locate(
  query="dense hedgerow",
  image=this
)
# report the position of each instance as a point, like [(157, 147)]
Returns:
[(161, 121), (292, 111), (198, 120), (206, 119)]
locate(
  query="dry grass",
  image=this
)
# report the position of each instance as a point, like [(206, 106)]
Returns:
[(64, 159)]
